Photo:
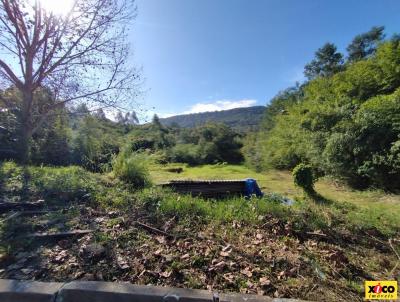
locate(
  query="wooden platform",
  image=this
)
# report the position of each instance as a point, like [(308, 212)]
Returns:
[(208, 188)]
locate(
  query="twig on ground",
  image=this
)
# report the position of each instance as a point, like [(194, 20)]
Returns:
[(23, 213), (394, 250), (12, 216), (317, 234), (154, 230)]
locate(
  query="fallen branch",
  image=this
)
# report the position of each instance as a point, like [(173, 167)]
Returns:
[(7, 206), (60, 235), (154, 230), (23, 213), (317, 234), (39, 212), (394, 250), (12, 216)]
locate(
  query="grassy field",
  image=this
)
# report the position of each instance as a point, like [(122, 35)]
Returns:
[(278, 181)]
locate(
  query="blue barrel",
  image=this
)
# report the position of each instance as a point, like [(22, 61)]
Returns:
[(252, 188)]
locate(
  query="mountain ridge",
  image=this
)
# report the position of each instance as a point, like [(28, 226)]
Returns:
[(239, 119)]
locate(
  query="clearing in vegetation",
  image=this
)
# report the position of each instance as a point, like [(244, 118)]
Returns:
[(309, 250)]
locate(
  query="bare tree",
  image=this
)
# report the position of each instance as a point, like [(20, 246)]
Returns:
[(81, 56)]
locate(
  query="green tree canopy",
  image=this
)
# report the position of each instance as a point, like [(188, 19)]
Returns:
[(327, 62)]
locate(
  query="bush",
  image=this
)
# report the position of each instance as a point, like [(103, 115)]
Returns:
[(185, 153), (131, 168), (304, 178)]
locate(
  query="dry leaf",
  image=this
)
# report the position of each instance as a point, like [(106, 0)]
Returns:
[(160, 239), (246, 271), (264, 281), (225, 254), (166, 274), (220, 266), (186, 256), (158, 252), (229, 277)]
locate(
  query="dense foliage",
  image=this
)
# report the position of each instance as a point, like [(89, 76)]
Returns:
[(69, 136), (207, 144), (80, 137), (344, 123)]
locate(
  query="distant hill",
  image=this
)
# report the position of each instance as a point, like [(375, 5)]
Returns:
[(240, 119)]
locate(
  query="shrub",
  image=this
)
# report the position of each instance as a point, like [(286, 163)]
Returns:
[(304, 178), (131, 168), (185, 153)]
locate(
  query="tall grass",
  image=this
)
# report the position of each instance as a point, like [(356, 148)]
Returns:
[(131, 168), (58, 183)]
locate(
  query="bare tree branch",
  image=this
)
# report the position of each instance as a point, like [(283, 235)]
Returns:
[(82, 56)]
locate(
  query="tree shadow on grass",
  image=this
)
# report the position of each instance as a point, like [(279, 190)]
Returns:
[(25, 192), (318, 198)]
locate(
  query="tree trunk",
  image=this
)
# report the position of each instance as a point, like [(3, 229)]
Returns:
[(25, 128)]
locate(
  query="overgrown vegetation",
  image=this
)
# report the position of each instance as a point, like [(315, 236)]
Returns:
[(345, 120), (131, 168), (330, 243)]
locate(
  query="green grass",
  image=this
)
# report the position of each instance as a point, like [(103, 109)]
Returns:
[(273, 181), (347, 208), (367, 209), (51, 183)]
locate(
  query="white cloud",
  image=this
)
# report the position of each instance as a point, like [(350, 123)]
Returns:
[(220, 105), (165, 115)]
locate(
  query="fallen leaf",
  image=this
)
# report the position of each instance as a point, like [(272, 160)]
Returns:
[(220, 266), (160, 239), (168, 258), (122, 263), (225, 254), (158, 252), (166, 274), (264, 281), (229, 277), (186, 256), (246, 271)]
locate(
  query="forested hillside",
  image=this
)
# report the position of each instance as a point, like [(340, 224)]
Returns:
[(239, 119), (78, 136), (344, 121)]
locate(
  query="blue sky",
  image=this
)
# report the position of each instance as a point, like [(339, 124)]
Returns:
[(202, 55)]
